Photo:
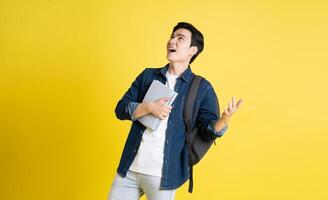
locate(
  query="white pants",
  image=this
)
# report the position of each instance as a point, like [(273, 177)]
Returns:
[(134, 185)]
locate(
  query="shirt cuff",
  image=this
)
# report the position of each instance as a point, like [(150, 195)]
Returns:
[(220, 133), (130, 108)]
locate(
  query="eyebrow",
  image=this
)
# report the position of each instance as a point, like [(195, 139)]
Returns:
[(179, 34)]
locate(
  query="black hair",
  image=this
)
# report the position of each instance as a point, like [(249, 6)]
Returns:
[(197, 38)]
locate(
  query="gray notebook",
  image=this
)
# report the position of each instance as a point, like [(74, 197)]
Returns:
[(156, 91)]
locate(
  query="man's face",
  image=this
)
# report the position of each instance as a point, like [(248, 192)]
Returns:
[(178, 46)]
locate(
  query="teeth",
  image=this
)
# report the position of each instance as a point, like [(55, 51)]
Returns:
[(171, 49)]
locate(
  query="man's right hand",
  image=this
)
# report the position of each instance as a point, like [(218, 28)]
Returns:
[(159, 108)]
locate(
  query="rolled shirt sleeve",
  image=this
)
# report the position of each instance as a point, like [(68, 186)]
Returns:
[(130, 108), (220, 133)]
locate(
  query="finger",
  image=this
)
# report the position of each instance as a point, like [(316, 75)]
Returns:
[(226, 111), (239, 103), (166, 110), (166, 99), (230, 106), (163, 100), (168, 107), (233, 101), (166, 115), (162, 116)]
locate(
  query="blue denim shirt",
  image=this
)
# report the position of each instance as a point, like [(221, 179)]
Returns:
[(175, 169)]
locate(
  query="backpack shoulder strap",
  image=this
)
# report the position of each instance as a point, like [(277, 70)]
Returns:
[(190, 102), (187, 117)]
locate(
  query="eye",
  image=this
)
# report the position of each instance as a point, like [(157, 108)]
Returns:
[(181, 38)]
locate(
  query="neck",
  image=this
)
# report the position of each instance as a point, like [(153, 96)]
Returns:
[(177, 68)]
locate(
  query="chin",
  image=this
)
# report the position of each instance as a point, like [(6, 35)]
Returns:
[(168, 58), (171, 58)]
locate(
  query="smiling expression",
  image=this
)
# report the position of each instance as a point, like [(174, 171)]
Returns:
[(178, 47)]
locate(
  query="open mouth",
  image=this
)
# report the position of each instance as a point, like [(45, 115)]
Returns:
[(172, 50)]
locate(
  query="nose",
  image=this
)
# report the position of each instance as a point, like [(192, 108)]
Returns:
[(172, 41)]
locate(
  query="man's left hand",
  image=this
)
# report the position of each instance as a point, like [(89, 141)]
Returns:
[(232, 107)]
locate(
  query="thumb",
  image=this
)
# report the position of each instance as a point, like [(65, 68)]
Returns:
[(166, 99)]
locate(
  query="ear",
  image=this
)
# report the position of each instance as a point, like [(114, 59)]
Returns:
[(194, 50)]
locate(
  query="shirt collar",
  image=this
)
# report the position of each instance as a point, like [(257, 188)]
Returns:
[(186, 75)]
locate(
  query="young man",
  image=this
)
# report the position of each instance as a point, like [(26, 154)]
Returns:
[(155, 163)]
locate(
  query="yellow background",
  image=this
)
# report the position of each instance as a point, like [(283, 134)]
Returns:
[(65, 64)]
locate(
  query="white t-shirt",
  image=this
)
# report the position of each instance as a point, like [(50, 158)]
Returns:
[(149, 158)]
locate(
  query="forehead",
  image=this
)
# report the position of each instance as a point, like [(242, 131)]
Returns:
[(183, 31)]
